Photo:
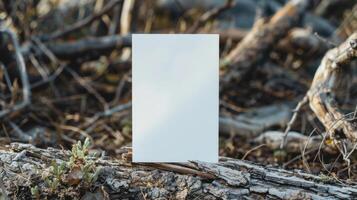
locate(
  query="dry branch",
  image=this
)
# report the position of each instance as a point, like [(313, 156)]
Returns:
[(125, 24), (302, 41), (330, 82), (348, 25), (78, 25), (228, 179), (255, 121), (209, 15), (295, 142), (257, 44), (81, 48), (26, 92)]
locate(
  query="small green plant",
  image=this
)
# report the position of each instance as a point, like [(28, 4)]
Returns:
[(127, 127), (79, 152), (79, 160), (52, 183), (35, 192), (280, 155), (79, 170), (58, 170), (325, 178)]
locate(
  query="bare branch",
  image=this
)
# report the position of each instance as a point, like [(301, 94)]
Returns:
[(209, 15), (78, 25), (330, 81), (23, 75), (257, 44)]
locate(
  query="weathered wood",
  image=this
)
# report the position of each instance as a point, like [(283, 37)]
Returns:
[(301, 41), (294, 142), (257, 44), (78, 25), (331, 81), (255, 121), (209, 15), (22, 168), (82, 48), (348, 25)]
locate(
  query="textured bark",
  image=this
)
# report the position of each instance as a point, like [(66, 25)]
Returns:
[(331, 81), (121, 179), (257, 44)]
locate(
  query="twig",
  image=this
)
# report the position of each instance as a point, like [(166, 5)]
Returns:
[(23, 137), (178, 169), (348, 25), (125, 24), (23, 75), (210, 15), (88, 87), (294, 142), (120, 87), (125, 19), (108, 112), (82, 49), (329, 43), (75, 129), (113, 28), (251, 150), (6, 76), (293, 118), (82, 23)]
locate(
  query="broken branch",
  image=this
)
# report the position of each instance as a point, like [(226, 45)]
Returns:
[(257, 44), (331, 79)]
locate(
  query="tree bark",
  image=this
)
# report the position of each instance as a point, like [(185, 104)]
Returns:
[(23, 164), (257, 44), (332, 80)]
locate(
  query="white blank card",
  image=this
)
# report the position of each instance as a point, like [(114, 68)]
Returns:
[(175, 97)]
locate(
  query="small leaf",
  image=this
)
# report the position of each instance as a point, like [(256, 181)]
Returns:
[(75, 176)]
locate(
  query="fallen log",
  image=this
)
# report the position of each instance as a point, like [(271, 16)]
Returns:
[(26, 171)]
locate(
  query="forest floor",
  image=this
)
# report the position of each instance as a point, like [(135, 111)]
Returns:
[(288, 97)]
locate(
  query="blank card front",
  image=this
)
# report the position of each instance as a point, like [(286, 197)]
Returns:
[(175, 97)]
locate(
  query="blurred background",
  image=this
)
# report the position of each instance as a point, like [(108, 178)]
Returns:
[(65, 72)]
